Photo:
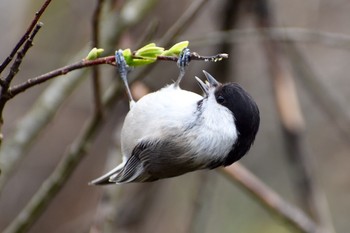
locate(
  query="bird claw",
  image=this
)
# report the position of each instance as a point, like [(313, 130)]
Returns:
[(184, 58), (121, 64), (182, 62), (123, 70)]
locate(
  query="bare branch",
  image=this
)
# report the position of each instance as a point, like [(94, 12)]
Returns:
[(4, 96), (25, 36), (269, 199), (15, 90), (196, 57), (20, 55)]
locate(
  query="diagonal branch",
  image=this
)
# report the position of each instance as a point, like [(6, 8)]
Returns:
[(14, 70), (270, 199), (20, 55), (64, 169), (25, 36), (15, 90)]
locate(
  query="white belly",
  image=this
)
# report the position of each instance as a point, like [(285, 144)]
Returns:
[(155, 113)]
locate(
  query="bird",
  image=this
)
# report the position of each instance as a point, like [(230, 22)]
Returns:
[(172, 131)]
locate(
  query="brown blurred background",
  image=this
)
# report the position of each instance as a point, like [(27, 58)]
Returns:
[(197, 202)]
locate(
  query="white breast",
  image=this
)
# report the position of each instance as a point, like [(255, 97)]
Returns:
[(169, 107)]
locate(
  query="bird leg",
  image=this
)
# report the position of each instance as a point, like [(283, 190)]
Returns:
[(182, 62), (123, 70)]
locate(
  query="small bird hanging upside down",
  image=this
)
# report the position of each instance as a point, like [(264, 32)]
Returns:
[(172, 131)]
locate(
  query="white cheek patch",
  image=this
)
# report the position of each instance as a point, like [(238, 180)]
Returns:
[(218, 132)]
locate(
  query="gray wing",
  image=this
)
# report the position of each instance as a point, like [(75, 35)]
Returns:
[(153, 160)]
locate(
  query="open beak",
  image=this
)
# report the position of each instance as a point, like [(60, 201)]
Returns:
[(209, 84)]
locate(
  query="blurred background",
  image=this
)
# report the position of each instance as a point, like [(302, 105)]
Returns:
[(297, 71)]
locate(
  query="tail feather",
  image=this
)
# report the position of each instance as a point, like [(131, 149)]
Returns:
[(132, 172), (106, 178)]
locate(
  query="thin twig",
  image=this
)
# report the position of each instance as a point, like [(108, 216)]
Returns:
[(196, 57), (25, 36), (20, 55), (15, 90), (96, 83), (14, 69), (269, 199)]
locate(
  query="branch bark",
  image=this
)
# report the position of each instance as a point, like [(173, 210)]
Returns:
[(4, 94), (25, 36), (269, 199), (15, 90)]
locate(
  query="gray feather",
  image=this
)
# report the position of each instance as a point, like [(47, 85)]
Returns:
[(156, 160)]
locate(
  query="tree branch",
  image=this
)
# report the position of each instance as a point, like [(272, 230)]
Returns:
[(269, 199), (25, 36), (15, 90), (4, 96), (20, 55)]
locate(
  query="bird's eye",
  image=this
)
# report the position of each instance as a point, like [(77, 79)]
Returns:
[(220, 99)]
